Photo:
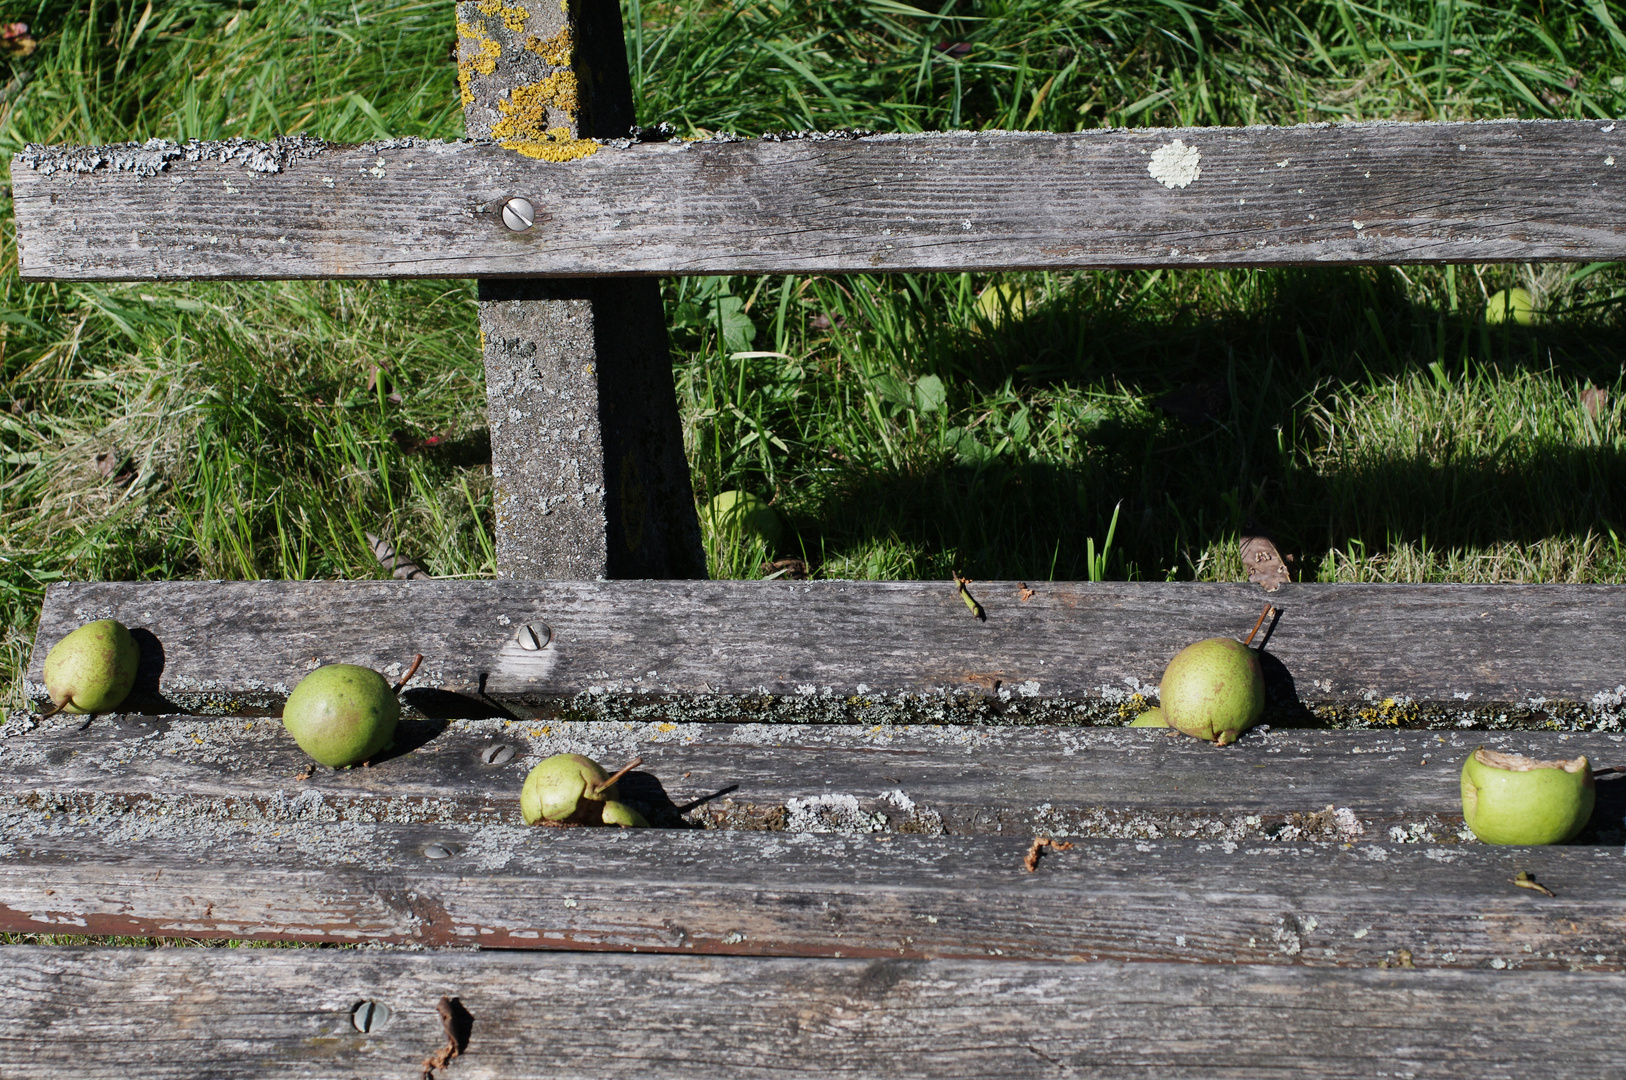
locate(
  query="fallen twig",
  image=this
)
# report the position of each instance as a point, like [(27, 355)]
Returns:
[(1031, 860)]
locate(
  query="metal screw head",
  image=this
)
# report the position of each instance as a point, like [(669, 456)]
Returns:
[(497, 754), (533, 636), (518, 214), (437, 851), (369, 1016)]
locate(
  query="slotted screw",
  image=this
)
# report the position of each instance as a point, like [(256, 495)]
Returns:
[(518, 214), (497, 754), (533, 636), (369, 1016), (437, 851)]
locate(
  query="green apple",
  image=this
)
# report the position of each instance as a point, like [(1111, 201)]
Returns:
[(1150, 718), (742, 513), (997, 303), (1515, 304), (342, 714), (92, 669), (619, 813), (1213, 690), (1512, 799), (572, 789)]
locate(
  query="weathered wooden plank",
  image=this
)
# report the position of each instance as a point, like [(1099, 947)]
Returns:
[(846, 779), (872, 652), (586, 447), (1348, 193), (145, 1014), (1347, 904)]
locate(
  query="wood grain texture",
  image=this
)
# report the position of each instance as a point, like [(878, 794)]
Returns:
[(807, 778), (144, 1015), (1350, 193), (872, 652), (1351, 904), (586, 446)]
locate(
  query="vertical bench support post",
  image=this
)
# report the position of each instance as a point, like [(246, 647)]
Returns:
[(586, 447)]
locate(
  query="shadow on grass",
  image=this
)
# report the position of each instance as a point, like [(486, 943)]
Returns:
[(1186, 479)]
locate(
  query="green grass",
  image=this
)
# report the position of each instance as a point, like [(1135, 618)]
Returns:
[(1368, 417)]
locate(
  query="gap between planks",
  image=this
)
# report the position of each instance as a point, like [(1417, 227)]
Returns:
[(1129, 783)]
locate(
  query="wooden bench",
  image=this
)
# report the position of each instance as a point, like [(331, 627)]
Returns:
[(849, 775)]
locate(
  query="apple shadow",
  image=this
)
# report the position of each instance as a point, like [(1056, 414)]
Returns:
[(445, 705), (645, 793), (1608, 823), (411, 733), (1283, 709), (145, 696)]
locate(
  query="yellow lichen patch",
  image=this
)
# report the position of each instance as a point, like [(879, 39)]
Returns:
[(483, 59), (1390, 711), (555, 145), (1132, 707), (556, 50), (512, 17), (529, 104), (524, 124)]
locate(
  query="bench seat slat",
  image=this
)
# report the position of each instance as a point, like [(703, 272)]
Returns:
[(1348, 193), (871, 652), (911, 778), (145, 1015), (1284, 902)]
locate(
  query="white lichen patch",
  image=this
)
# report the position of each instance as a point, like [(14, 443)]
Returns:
[(837, 813), (1175, 165)]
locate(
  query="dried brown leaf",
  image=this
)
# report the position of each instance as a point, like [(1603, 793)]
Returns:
[(1594, 400), (1031, 859), (397, 564), (791, 569), (116, 467), (1024, 592), (456, 1024), (1264, 563)]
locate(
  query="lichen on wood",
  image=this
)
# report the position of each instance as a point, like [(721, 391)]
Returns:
[(556, 50), (525, 125), (527, 96)]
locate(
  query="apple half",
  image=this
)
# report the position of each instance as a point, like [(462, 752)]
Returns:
[(1513, 799)]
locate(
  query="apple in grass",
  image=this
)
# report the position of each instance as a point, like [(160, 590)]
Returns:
[(742, 514), (1513, 799), (1511, 305)]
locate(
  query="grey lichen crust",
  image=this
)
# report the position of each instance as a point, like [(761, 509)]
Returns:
[(154, 156)]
